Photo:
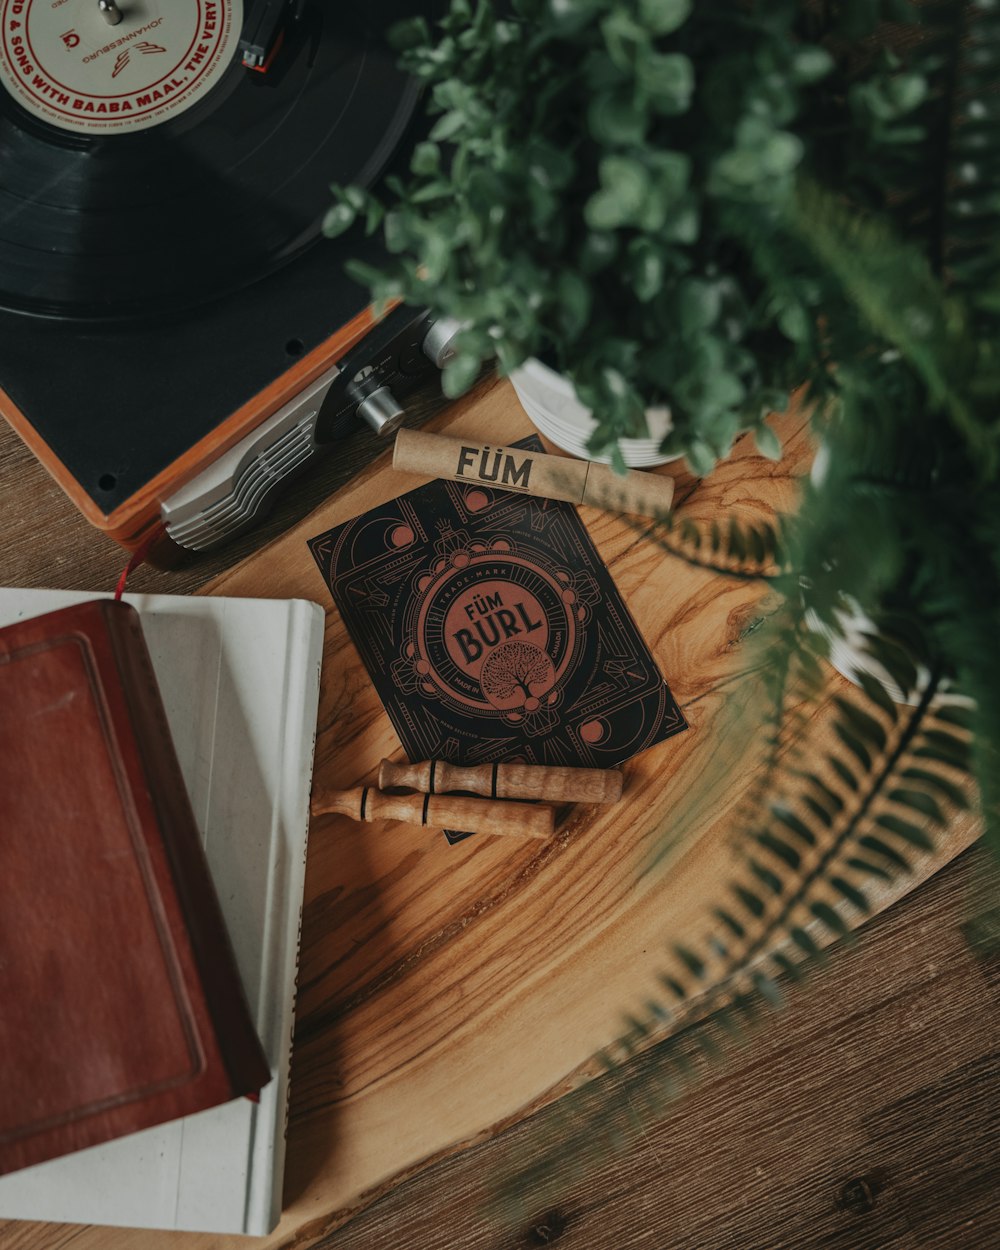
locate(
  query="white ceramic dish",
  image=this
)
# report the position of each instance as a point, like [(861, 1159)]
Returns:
[(551, 403)]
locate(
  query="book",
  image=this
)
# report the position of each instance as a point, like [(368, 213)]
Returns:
[(493, 631), (239, 681), (122, 1005)]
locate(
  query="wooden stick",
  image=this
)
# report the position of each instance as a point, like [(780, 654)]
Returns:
[(506, 781), (443, 812), (532, 473)]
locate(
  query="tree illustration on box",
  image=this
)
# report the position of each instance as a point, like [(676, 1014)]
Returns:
[(517, 675)]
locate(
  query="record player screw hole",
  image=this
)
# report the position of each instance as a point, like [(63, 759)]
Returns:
[(107, 481), (294, 347)]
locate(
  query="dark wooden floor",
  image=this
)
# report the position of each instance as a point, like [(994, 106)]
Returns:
[(865, 1115)]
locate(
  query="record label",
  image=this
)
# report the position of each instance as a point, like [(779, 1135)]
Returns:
[(63, 62)]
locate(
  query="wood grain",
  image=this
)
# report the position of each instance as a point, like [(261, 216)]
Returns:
[(447, 991), (864, 1116), (437, 811), (549, 782), (509, 964)]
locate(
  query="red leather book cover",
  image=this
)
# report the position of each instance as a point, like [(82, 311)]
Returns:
[(492, 630), (120, 1001)]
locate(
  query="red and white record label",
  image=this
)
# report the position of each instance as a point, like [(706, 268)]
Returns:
[(64, 63)]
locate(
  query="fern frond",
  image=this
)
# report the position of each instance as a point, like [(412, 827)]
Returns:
[(945, 189), (860, 818), (893, 288)]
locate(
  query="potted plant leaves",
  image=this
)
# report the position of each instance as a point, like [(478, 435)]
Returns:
[(600, 201), (690, 210), (900, 528), (895, 544)]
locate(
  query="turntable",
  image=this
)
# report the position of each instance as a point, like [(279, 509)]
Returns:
[(176, 336)]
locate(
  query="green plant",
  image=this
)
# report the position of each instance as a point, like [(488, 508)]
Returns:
[(855, 250), (594, 184), (852, 185), (903, 522)]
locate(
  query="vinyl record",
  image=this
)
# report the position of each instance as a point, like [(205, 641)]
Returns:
[(144, 169)]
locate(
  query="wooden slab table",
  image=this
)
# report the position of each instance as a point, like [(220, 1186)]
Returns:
[(446, 991)]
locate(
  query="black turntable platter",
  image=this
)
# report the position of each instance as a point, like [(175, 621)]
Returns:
[(108, 215)]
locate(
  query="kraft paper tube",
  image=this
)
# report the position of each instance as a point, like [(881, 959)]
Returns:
[(552, 783), (442, 811), (532, 473)]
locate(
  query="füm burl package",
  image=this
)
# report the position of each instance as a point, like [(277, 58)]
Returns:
[(492, 630)]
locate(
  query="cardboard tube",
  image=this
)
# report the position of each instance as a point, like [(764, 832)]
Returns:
[(553, 783), (526, 820), (532, 473)]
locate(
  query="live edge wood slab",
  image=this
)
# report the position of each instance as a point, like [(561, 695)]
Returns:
[(447, 991)]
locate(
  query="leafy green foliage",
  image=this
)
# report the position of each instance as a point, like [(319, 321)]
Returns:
[(957, 119), (899, 523), (900, 520), (590, 187), (762, 194)]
